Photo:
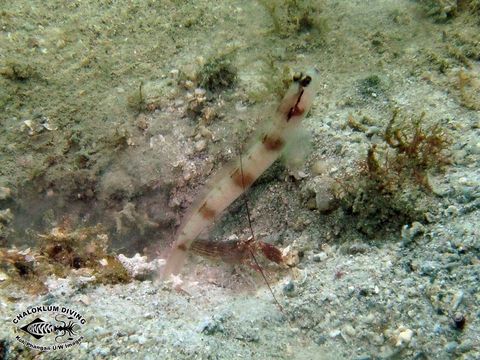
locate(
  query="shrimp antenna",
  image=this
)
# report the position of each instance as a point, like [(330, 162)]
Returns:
[(252, 254)]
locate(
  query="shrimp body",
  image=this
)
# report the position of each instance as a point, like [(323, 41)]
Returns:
[(260, 156)]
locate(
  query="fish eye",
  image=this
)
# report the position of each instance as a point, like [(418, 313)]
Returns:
[(305, 81)]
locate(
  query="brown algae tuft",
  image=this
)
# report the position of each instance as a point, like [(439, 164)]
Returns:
[(411, 150), (294, 17), (63, 252), (393, 184), (218, 73)]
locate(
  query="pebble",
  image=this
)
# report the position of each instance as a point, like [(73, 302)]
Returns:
[(324, 200), (466, 346), (85, 300), (349, 330), (320, 257), (5, 193), (320, 167), (369, 319), (404, 336), (451, 347), (364, 357), (189, 84), (438, 329), (457, 300), (410, 232), (451, 211), (210, 327), (206, 133), (103, 351), (428, 268), (475, 148), (6, 215), (200, 145), (289, 288)]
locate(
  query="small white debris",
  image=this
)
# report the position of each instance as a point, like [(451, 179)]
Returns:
[(46, 125), (240, 107), (320, 257), (189, 84), (103, 262), (334, 333), (199, 92), (27, 125), (290, 256), (232, 237), (156, 142), (82, 280), (403, 336), (176, 281), (139, 268), (85, 300)]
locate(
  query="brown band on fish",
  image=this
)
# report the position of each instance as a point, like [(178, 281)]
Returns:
[(242, 181), (182, 247), (272, 143), (206, 212)]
